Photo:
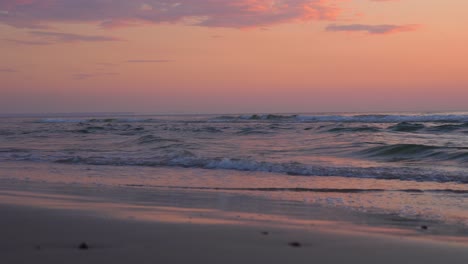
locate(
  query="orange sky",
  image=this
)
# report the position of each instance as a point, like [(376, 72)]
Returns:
[(221, 56)]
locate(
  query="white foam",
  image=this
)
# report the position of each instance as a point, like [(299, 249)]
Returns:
[(384, 118)]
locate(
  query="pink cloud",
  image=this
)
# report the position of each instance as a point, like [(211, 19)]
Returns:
[(208, 13), (373, 29), (85, 76), (26, 42), (148, 61), (67, 37)]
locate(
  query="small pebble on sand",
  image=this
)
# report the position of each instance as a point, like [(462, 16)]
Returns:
[(83, 246), (295, 244)]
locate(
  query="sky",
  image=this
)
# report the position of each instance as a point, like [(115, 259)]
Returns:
[(233, 56)]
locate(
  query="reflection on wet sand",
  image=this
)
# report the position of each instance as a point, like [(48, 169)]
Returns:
[(102, 207)]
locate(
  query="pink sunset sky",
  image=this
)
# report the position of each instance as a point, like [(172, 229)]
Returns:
[(233, 56)]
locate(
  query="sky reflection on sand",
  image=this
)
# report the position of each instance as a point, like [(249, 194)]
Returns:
[(426, 200), (205, 216), (260, 199)]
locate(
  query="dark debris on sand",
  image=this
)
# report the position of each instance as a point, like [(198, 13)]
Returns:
[(295, 244), (83, 246)]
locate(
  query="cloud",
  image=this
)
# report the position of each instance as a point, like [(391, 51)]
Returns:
[(148, 61), (373, 29), (7, 70), (207, 13), (84, 76), (67, 37), (26, 42)]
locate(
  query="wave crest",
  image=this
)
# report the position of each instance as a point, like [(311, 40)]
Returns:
[(189, 160), (398, 152)]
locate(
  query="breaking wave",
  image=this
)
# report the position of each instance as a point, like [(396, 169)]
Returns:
[(187, 159)]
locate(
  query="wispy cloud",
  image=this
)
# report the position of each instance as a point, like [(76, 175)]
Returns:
[(208, 13), (67, 37), (105, 64), (84, 76), (147, 61), (26, 42), (7, 70), (373, 29)]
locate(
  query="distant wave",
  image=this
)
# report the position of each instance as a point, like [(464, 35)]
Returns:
[(385, 118), (13, 150), (415, 127), (149, 139), (377, 118), (398, 152), (407, 127), (187, 159), (253, 131), (60, 120), (267, 117), (448, 127), (363, 118), (6, 133), (96, 120), (354, 129)]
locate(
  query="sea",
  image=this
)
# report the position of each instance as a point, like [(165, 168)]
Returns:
[(408, 168)]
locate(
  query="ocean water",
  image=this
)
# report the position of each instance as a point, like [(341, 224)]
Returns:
[(410, 165)]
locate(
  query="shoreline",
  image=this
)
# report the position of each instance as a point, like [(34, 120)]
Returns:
[(93, 193), (48, 211)]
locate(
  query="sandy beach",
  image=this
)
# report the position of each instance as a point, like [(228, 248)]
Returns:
[(41, 224), (53, 236)]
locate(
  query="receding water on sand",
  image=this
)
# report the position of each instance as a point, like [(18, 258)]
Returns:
[(252, 198)]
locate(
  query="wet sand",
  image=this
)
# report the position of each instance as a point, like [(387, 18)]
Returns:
[(40, 235), (46, 221)]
